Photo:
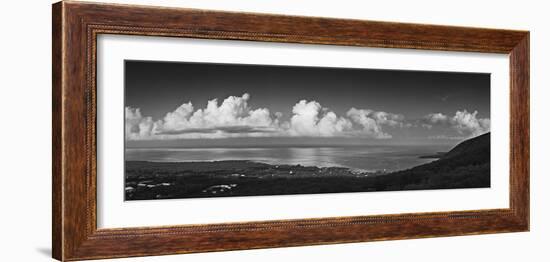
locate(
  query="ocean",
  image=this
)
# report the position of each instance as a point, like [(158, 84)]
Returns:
[(364, 158)]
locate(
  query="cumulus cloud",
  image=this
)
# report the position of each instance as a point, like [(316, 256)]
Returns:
[(466, 122), (228, 119), (371, 125), (436, 118), (308, 119), (393, 120), (233, 111), (463, 122), (233, 117), (136, 126)]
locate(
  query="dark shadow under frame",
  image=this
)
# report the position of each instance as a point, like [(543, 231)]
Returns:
[(75, 28)]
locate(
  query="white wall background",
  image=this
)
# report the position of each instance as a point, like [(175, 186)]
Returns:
[(25, 150)]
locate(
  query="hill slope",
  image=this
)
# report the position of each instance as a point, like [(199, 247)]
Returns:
[(467, 165)]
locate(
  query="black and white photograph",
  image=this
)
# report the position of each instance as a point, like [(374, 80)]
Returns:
[(196, 130), (274, 131)]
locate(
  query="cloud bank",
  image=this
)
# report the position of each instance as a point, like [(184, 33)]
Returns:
[(235, 118), (463, 122)]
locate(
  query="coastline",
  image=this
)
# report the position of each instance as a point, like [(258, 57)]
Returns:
[(165, 180), (467, 165)]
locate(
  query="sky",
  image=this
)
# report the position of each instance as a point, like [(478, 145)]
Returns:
[(207, 104)]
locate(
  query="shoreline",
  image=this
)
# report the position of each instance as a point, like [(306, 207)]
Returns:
[(466, 166), (233, 161), (166, 180)]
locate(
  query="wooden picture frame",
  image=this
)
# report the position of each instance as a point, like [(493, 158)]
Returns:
[(75, 28)]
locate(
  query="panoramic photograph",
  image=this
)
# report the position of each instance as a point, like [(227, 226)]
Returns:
[(198, 130)]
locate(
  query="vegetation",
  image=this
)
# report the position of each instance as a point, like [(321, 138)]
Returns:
[(465, 166)]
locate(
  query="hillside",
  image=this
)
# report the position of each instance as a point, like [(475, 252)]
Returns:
[(467, 165)]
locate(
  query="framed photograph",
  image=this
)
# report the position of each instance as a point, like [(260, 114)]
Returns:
[(181, 130)]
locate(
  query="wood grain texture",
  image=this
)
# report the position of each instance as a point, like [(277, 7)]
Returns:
[(76, 26), (519, 129), (57, 195)]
